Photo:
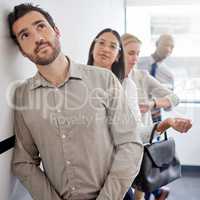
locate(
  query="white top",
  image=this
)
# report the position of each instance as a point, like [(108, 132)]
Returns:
[(163, 72), (131, 93)]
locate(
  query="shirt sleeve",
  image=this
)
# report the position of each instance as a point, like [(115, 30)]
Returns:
[(127, 143), (26, 162), (157, 90), (130, 90)]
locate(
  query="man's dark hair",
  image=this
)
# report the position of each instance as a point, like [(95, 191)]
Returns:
[(118, 67), (21, 10)]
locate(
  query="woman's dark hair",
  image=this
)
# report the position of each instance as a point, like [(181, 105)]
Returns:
[(118, 67), (22, 9)]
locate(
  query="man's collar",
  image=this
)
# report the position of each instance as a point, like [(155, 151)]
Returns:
[(74, 70), (39, 81)]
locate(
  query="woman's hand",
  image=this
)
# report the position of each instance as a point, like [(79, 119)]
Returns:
[(181, 125), (145, 107)]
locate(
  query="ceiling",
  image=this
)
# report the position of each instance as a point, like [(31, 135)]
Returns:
[(160, 2)]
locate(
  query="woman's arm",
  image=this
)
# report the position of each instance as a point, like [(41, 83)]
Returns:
[(181, 125), (161, 96)]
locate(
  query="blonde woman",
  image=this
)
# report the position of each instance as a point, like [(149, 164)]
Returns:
[(151, 94)]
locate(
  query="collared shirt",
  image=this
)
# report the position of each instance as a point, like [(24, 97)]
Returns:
[(163, 73), (148, 87), (84, 133)]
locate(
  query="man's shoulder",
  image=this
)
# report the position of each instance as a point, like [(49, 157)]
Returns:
[(21, 85), (164, 66), (95, 73), (21, 90), (98, 77), (94, 69)]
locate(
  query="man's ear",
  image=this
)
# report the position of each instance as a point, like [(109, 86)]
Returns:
[(57, 31)]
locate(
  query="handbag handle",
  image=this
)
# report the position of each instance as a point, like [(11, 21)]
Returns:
[(153, 133)]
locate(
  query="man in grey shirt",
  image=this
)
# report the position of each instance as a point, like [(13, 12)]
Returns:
[(74, 118)]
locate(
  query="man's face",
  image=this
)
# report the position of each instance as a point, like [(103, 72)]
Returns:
[(37, 39), (165, 47)]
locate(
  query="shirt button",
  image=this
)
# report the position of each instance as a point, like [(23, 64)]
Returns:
[(58, 110), (63, 136), (68, 162), (73, 188)]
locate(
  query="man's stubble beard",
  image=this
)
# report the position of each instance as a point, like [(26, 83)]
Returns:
[(56, 49)]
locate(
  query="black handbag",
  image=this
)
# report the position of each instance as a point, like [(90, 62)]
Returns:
[(160, 165)]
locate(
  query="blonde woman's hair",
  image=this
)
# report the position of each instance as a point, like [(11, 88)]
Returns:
[(127, 38)]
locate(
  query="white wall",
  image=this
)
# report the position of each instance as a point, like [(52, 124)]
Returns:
[(79, 22)]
